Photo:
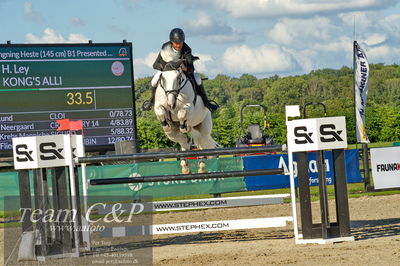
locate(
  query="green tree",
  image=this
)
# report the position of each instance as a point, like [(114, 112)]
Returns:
[(332, 87)]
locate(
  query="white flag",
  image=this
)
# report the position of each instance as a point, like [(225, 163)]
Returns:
[(361, 77)]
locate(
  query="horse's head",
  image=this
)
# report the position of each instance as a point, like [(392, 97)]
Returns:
[(172, 81)]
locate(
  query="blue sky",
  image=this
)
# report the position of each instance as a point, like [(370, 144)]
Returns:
[(232, 37)]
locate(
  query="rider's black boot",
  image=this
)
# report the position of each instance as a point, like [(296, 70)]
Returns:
[(148, 104), (202, 92)]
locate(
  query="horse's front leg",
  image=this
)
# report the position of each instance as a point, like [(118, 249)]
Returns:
[(183, 113), (161, 114)]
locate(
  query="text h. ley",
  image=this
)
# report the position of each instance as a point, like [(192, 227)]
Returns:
[(14, 69)]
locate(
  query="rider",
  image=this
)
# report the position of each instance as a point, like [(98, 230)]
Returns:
[(175, 50)]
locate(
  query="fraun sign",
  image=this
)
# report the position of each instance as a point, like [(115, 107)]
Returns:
[(385, 164)]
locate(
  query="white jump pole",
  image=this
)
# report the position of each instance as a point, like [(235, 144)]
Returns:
[(80, 148), (293, 111), (70, 161)]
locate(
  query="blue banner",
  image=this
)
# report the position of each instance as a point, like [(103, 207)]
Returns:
[(281, 161)]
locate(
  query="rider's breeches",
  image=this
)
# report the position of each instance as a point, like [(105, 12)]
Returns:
[(197, 78), (155, 79)]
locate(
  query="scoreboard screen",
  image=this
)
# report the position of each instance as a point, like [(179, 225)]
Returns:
[(42, 83)]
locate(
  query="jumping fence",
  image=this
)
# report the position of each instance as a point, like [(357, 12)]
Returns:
[(303, 135), (199, 203)]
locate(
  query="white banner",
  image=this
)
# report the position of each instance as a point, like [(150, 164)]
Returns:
[(361, 76), (194, 227), (385, 163)]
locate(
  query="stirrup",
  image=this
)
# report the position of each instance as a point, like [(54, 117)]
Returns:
[(147, 105)]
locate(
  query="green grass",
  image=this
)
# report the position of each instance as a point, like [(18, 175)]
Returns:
[(371, 145), (4, 214), (10, 225)]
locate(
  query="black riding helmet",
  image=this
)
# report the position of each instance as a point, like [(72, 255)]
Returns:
[(177, 35)]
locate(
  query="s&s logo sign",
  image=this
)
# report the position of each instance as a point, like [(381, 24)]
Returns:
[(49, 151), (329, 133), (302, 136), (23, 153), (46, 151), (317, 134)]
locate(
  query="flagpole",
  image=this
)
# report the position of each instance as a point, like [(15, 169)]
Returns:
[(354, 87)]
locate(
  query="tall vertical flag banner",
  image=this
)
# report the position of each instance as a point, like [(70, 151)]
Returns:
[(361, 77)]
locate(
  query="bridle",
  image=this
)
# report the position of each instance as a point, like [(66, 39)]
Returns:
[(182, 80)]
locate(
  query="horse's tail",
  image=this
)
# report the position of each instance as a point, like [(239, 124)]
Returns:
[(212, 144)]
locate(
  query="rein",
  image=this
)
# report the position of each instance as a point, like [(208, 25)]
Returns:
[(175, 92)]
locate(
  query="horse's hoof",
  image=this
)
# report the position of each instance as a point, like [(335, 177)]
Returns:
[(202, 167), (184, 131), (184, 128), (185, 168), (166, 127)]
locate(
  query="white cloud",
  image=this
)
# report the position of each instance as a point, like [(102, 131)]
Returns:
[(391, 26), (77, 21), (148, 60), (306, 59), (203, 24), (340, 44), (77, 38), (205, 60), (361, 19), (31, 14), (220, 38), (117, 29), (280, 33), (383, 53), (302, 31), (51, 36), (143, 67), (214, 30), (375, 38), (266, 58), (268, 8)]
